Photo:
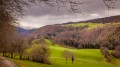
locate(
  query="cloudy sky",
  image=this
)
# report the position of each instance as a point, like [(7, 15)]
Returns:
[(41, 15)]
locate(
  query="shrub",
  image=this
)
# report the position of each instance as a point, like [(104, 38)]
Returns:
[(105, 52), (40, 54), (116, 52)]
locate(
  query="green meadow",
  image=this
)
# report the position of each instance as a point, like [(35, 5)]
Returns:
[(90, 25), (83, 58)]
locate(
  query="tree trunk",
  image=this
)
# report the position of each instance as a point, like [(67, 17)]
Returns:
[(11, 55), (28, 58), (66, 60), (3, 54), (20, 56)]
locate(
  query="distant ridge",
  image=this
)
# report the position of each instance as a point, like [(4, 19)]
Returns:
[(100, 20), (23, 31)]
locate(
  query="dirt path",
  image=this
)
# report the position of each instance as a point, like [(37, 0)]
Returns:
[(6, 63)]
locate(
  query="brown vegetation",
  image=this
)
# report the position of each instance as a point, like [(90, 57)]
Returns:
[(116, 52), (105, 52), (68, 55), (40, 54)]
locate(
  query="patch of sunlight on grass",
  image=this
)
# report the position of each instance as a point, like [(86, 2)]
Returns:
[(89, 24)]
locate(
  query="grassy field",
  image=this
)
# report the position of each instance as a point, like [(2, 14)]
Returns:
[(83, 58), (90, 25)]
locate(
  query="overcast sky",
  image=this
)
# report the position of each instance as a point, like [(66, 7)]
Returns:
[(37, 16)]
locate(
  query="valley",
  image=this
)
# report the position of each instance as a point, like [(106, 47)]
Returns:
[(78, 44), (59, 33), (83, 58)]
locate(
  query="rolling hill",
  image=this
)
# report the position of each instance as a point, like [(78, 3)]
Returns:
[(24, 32), (85, 38), (110, 19)]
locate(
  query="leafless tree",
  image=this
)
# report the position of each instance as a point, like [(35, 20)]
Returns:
[(7, 37), (68, 55), (40, 54), (12, 49), (110, 4), (21, 46), (105, 52), (116, 52)]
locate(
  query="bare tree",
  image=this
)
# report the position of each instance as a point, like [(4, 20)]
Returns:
[(110, 4), (116, 52), (21, 46), (68, 54), (40, 54), (12, 49), (7, 35), (105, 52)]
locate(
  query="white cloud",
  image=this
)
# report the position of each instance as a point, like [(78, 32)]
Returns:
[(95, 16), (36, 22), (113, 12), (39, 21)]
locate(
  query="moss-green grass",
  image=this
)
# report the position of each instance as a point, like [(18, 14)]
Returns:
[(92, 25), (89, 24)]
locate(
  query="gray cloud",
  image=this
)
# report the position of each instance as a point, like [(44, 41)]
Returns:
[(37, 16)]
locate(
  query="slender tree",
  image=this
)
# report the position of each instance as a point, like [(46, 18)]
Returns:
[(68, 55)]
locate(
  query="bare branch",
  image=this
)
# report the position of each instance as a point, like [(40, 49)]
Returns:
[(110, 4)]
